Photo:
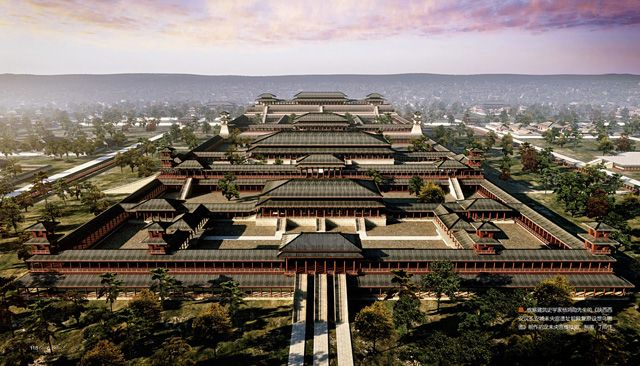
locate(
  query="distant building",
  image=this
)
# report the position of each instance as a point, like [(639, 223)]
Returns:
[(625, 161)]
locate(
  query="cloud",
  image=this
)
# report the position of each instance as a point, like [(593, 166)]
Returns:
[(275, 21)]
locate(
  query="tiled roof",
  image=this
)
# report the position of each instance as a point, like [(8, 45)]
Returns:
[(599, 226), (190, 164), (322, 159), (324, 244), (346, 204), (321, 188), (320, 95), (158, 204), (320, 139), (320, 117), (486, 226), (339, 150)]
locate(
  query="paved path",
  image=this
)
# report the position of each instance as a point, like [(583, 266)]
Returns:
[(320, 325), (298, 326), (131, 187), (343, 331)]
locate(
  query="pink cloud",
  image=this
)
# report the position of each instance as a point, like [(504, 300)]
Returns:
[(257, 21)]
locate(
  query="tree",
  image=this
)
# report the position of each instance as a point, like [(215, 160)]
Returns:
[(529, 157), (61, 188), (231, 296), (212, 327), (94, 199), (505, 167), (174, 352), (146, 166), (164, 284), (11, 167), (415, 184), (51, 212), (111, 287), (228, 186), (174, 132), (431, 193), (420, 144), (38, 325), (441, 280), (624, 143), (102, 354), (490, 140), (555, 291), (375, 176), (506, 143), (145, 306), (10, 214), (598, 205), (374, 323), (119, 138), (189, 137), (406, 312), (78, 303), (205, 127), (605, 145)]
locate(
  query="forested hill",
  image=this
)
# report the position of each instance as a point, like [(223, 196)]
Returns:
[(623, 90)]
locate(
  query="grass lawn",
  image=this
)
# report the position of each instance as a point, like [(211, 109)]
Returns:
[(586, 150), (115, 177)]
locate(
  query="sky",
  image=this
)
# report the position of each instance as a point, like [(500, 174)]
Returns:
[(285, 37)]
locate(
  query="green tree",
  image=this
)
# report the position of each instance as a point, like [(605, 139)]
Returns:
[(102, 354), (415, 184), (111, 287), (605, 145), (489, 140), (420, 144), (51, 212), (506, 143), (441, 280), (228, 186), (164, 284), (406, 312), (505, 167), (231, 296), (38, 324), (61, 188), (431, 193), (213, 327), (555, 291), (375, 176), (374, 323), (12, 168), (10, 214)]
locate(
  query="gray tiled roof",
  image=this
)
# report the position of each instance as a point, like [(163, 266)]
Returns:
[(300, 188), (324, 244), (144, 280), (321, 139)]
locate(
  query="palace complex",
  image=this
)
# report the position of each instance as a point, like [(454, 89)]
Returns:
[(324, 186)]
